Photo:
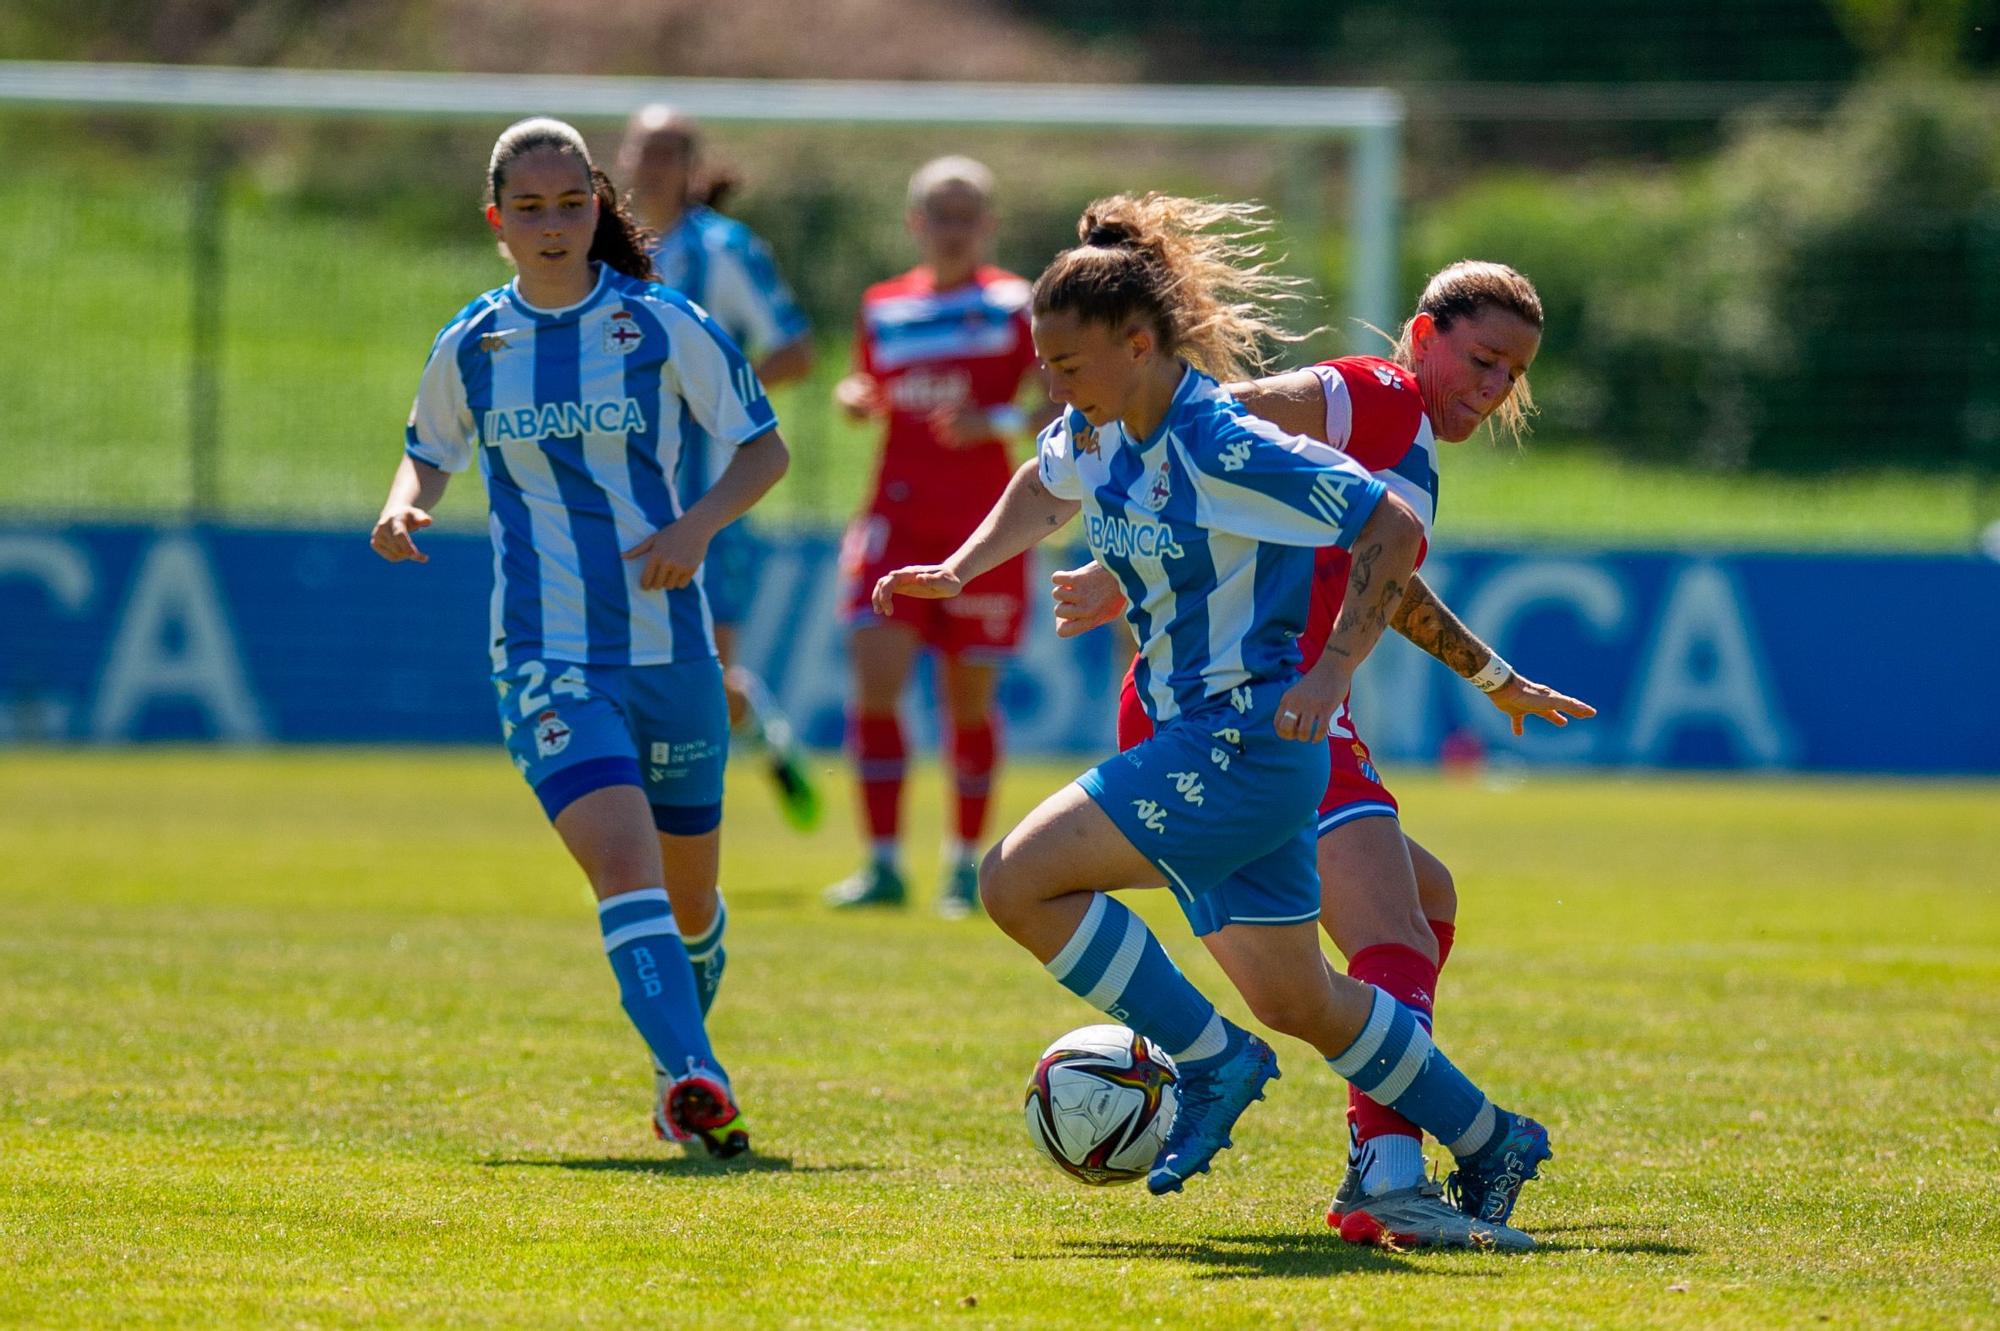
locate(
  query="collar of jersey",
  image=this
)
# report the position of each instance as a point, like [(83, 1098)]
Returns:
[(542, 316), (1183, 391)]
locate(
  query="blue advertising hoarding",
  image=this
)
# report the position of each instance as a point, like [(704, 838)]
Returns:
[(1808, 662)]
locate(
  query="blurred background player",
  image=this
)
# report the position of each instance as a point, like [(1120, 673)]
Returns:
[(720, 265), (1389, 905), (569, 384), (941, 354)]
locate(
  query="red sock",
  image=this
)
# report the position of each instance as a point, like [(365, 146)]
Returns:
[(1407, 976), (1444, 930), (878, 751), (973, 750)]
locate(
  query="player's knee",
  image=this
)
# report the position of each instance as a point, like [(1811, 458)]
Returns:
[(997, 892), (1436, 891)]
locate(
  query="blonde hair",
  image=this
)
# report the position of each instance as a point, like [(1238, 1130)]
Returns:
[(1465, 290), (942, 173), (1193, 268)]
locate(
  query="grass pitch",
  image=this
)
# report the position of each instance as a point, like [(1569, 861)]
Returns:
[(326, 1039)]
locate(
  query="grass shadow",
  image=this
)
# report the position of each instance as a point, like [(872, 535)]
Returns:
[(1650, 1247), (1281, 1255), (688, 1165)]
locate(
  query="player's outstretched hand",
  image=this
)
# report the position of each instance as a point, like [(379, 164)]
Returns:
[(929, 582), (391, 537), (1520, 698), (1307, 710), (859, 396), (1086, 598), (672, 555)]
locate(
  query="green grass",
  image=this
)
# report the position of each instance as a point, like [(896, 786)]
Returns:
[(325, 1039), (327, 313)]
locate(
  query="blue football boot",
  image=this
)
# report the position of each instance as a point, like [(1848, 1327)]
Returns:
[(1210, 1103), (1486, 1185)]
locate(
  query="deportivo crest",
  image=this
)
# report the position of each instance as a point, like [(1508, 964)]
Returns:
[(621, 333), (551, 734), (1160, 491)]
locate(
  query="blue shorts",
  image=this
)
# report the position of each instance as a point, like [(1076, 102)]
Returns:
[(729, 574), (572, 729), (1224, 808)]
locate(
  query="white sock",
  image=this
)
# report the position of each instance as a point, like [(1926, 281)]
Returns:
[(958, 852), (1391, 1162), (882, 853)]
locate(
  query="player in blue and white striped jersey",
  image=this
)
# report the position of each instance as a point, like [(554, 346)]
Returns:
[(573, 386), (722, 266), (1209, 518)]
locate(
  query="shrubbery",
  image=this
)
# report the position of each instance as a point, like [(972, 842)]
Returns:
[(1808, 297)]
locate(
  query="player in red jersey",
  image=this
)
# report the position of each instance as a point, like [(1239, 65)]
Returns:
[(1389, 905), (940, 356)]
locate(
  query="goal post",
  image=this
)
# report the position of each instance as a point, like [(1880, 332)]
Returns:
[(1369, 120)]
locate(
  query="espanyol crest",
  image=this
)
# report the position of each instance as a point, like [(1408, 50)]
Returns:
[(1160, 491)]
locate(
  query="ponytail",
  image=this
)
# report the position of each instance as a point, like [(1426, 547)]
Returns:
[(1193, 269), (618, 241)]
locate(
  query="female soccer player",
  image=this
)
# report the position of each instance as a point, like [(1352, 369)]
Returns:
[(570, 384), (1207, 516), (1388, 904), (721, 265), (940, 353)]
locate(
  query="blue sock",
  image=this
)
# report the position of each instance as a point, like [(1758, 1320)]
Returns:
[(707, 956), (1114, 963), (1394, 1063), (654, 980)]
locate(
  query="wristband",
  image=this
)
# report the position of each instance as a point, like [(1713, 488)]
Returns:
[(1006, 420), (1492, 675)]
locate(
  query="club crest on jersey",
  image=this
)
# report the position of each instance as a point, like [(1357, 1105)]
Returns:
[(493, 343), (621, 333), (551, 734), (1160, 491)]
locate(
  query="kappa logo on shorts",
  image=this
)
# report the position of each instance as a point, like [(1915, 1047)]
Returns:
[(551, 734), (1152, 814), (1189, 785), (1239, 697)]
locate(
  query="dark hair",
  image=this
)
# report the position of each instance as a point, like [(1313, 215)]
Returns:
[(618, 240), (1189, 267)]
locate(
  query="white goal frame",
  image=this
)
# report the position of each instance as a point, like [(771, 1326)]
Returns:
[(1370, 120)]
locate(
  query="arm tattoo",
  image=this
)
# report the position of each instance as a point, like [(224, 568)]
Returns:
[(1430, 624), (1361, 570)]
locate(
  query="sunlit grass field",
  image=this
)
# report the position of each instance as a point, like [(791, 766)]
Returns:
[(325, 1038)]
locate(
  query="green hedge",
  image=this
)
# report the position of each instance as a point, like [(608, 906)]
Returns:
[(1809, 297)]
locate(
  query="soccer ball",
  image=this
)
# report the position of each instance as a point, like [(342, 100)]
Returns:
[(1101, 1103)]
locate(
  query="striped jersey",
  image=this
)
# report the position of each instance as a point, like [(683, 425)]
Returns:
[(1210, 524), (722, 266), (578, 418), (932, 350), (1375, 415)]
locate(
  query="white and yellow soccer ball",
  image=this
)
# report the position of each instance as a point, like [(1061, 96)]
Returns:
[(1101, 1103)]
